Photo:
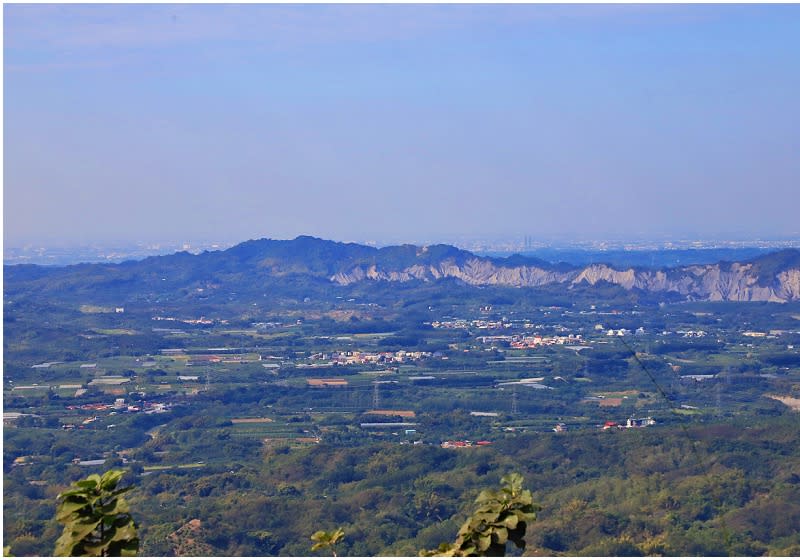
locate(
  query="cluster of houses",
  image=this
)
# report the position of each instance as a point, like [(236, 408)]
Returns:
[(454, 324), (477, 323), (689, 334), (483, 324), (463, 444), (536, 340), (200, 321), (357, 357), (621, 332), (630, 423), (118, 406)]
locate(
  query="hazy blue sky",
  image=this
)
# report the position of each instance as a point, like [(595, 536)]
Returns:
[(142, 122)]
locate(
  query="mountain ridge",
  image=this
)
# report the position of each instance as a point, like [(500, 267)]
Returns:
[(772, 277)]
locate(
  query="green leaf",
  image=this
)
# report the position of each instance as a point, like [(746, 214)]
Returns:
[(79, 493), (484, 541), (110, 479), (67, 509), (511, 521), (502, 535), (487, 516)]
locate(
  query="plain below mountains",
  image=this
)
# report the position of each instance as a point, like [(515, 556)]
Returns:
[(267, 263)]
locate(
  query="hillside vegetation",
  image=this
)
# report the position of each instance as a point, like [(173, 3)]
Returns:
[(714, 490)]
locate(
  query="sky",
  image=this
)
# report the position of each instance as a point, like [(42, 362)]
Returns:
[(129, 123)]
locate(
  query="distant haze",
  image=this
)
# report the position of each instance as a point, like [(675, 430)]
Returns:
[(226, 122)]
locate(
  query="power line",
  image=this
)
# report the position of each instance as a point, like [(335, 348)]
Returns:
[(670, 400)]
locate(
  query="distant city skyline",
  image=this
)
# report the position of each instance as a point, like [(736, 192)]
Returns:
[(140, 123), (65, 254)]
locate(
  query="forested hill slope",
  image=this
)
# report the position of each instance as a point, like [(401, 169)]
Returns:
[(266, 262)]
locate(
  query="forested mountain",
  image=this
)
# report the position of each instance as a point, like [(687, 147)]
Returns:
[(255, 265)]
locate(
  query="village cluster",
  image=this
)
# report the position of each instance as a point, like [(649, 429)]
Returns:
[(357, 357)]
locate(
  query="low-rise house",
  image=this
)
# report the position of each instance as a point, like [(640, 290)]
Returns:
[(639, 422)]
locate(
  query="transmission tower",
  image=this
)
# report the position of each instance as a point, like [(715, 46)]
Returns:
[(376, 397), (514, 407)]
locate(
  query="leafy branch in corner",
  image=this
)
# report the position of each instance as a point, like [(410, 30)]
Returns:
[(325, 539), (96, 518), (501, 516)]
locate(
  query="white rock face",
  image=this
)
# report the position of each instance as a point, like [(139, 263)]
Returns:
[(709, 282), (597, 272), (788, 285)]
